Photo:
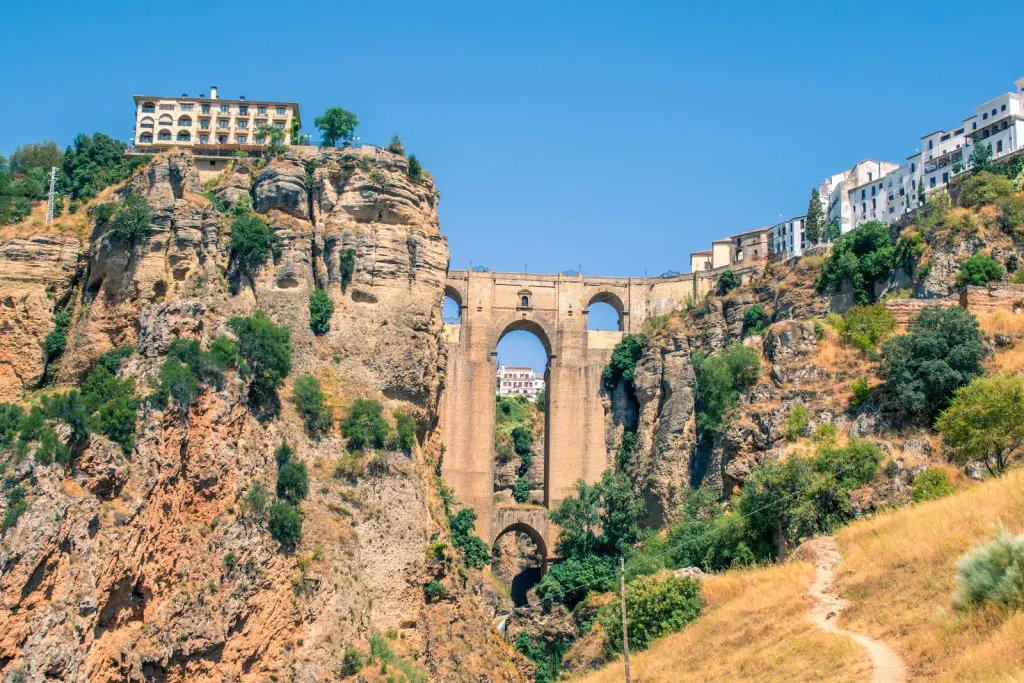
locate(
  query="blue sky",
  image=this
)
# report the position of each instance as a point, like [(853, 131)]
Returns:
[(609, 135)]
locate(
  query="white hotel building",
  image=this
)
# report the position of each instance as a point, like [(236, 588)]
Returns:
[(512, 379)]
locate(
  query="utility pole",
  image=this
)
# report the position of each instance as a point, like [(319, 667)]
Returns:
[(625, 629), (49, 198)]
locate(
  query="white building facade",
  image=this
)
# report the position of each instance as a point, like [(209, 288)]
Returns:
[(789, 238), (518, 380)]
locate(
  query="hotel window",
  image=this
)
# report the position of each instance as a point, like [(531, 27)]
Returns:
[(279, 126), (993, 111), (224, 109), (222, 139), (261, 109), (203, 138), (240, 139), (243, 109), (931, 144), (205, 109), (999, 146), (945, 178), (984, 116), (913, 167), (187, 106), (243, 124), (974, 125), (204, 124), (932, 182), (280, 111), (164, 135), (222, 123), (148, 108), (1002, 108)]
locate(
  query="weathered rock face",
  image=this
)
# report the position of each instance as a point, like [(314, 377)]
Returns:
[(36, 277), (145, 564)]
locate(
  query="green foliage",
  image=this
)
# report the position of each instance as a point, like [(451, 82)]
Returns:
[(546, 655), (103, 404), (11, 416), (285, 523), (57, 340), (335, 124), (111, 360), (941, 353), (293, 482), (395, 145), (570, 581), (405, 431), (16, 506), (600, 519), (176, 382), (415, 173), (521, 490), (346, 267), (433, 591), (255, 501), (353, 661), (522, 440), (475, 552), (861, 392), (755, 320), (51, 448), (815, 221), (993, 574), (852, 466), (930, 484), (981, 158), (861, 256), (252, 241), (727, 282), (43, 156), (130, 220), (656, 606), (321, 308), (267, 350), (622, 365), (720, 378), (364, 426), (316, 415), (983, 188), (985, 422), (93, 163), (909, 248), (230, 560), (272, 139), (796, 422), (979, 270), (624, 454), (825, 433), (864, 327)]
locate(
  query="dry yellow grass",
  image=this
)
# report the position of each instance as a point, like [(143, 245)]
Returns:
[(755, 627), (1008, 360), (1001, 322), (899, 574)]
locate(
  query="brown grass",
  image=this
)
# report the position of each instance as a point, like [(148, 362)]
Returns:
[(899, 574), (1008, 360), (1001, 322), (755, 627)]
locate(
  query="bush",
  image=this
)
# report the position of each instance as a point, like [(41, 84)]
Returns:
[(705, 536), (405, 431), (570, 581), (656, 606), (521, 490), (309, 402), (16, 506), (111, 360), (176, 382), (985, 422), (984, 188), (727, 282), (321, 308), (11, 416), (522, 440), (131, 219), (755, 320), (103, 404), (252, 241), (285, 523), (433, 591), (51, 448), (861, 257), (796, 422), (720, 378), (931, 484), (364, 426), (92, 163), (979, 270), (941, 354), (353, 661), (346, 267), (611, 506), (861, 392), (853, 465), (415, 169), (865, 326), (267, 351), (475, 552), (622, 365), (293, 482), (993, 573), (824, 433), (255, 501)]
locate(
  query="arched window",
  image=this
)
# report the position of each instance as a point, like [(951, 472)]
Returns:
[(146, 122), (146, 138), (185, 121), (524, 301), (148, 107), (166, 120), (184, 136), (164, 135)]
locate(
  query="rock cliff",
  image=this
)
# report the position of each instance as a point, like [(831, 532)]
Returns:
[(139, 565)]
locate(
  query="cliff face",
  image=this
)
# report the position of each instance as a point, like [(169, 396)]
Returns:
[(118, 567)]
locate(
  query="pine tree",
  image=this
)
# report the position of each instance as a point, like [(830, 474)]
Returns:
[(815, 222)]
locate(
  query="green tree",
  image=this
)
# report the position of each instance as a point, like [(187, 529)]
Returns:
[(796, 422), (622, 365), (985, 422), (656, 607), (727, 282), (984, 187), (865, 326), (755, 320), (252, 241), (405, 431), (364, 426), (941, 353), (415, 173), (255, 501), (521, 490), (336, 124), (177, 382), (814, 224), (569, 581), (43, 155), (321, 308), (272, 138), (861, 257), (92, 163), (979, 270), (720, 378), (131, 220), (267, 350), (346, 267), (930, 484), (395, 146), (981, 158), (316, 415), (293, 482), (285, 523), (474, 550)]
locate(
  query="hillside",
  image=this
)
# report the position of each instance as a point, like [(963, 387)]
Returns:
[(897, 575)]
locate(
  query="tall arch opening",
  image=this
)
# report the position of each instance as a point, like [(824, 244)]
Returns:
[(451, 307), (518, 559), (606, 312)]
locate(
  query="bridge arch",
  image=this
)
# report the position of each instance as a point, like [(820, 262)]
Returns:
[(611, 299), (525, 528), (534, 326)]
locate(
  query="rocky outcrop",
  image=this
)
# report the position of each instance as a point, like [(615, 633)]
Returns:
[(37, 276)]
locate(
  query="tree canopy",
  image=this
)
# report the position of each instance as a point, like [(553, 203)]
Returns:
[(814, 224), (336, 124), (861, 256), (985, 422)]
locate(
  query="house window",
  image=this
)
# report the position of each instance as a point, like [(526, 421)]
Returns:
[(187, 106), (243, 109), (166, 107), (913, 167), (999, 146), (279, 126), (203, 138), (872, 190), (147, 122), (204, 124), (261, 109), (240, 139), (243, 124), (974, 125), (932, 182), (222, 123), (146, 138), (524, 302), (863, 194), (224, 109), (184, 121), (222, 139), (184, 136), (205, 109), (984, 116), (164, 135), (280, 111), (1002, 108), (945, 178), (931, 144), (148, 108)]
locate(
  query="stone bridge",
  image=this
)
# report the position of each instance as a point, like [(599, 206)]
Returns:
[(555, 309)]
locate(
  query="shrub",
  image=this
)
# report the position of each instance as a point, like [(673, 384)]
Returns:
[(705, 536), (984, 188), (395, 145), (941, 354), (346, 267), (522, 440), (474, 550), (861, 392), (860, 257), (230, 560), (656, 606), (111, 360), (252, 241), (205, 365), (176, 382), (353, 661), (285, 523), (349, 467), (853, 465), (16, 506), (433, 591), (364, 426), (570, 581), (796, 422), (985, 422), (720, 378), (415, 173), (51, 448), (309, 402), (609, 506), (865, 326), (930, 484), (993, 573), (755, 320), (92, 163), (979, 270), (825, 433), (11, 415), (293, 482), (622, 365), (321, 308), (131, 219), (405, 431), (727, 282), (267, 351), (521, 490), (255, 501)]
